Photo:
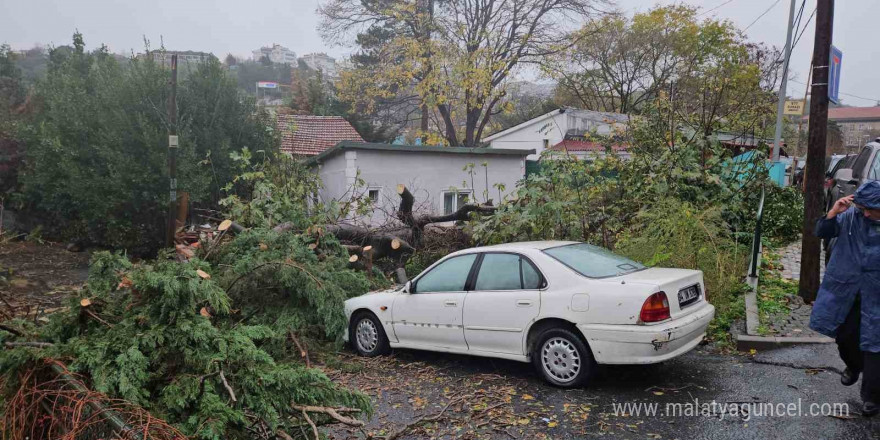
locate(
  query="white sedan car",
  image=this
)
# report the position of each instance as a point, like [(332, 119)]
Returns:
[(564, 306)]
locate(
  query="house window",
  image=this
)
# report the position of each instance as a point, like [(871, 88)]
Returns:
[(453, 200), (546, 143), (373, 195)]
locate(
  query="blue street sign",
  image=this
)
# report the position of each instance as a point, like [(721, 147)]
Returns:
[(834, 75)]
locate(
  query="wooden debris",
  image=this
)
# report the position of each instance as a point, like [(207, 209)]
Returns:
[(85, 302), (224, 225), (204, 275)]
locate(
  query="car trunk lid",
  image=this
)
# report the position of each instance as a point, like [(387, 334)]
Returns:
[(684, 288)]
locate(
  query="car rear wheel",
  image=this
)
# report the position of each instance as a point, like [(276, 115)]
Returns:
[(562, 358), (367, 335)]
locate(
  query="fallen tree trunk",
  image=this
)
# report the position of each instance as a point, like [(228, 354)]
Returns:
[(417, 225)]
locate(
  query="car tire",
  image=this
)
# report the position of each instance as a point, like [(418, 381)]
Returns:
[(367, 336), (562, 358)]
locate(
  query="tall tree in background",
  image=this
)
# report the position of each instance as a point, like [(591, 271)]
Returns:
[(101, 176), (621, 63), (455, 56), (12, 105), (703, 75)]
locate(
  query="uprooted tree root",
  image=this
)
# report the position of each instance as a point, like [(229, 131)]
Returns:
[(53, 403)]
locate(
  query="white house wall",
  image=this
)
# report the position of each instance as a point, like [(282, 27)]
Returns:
[(427, 175), (532, 136)]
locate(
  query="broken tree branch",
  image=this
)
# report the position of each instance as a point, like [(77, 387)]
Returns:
[(302, 351), (228, 388), (312, 424), (27, 344), (334, 413)]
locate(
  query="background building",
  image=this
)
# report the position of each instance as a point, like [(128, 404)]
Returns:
[(183, 57), (858, 125), (321, 61), (550, 129), (277, 54)]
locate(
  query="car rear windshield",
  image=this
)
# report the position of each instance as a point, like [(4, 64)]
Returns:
[(593, 261)]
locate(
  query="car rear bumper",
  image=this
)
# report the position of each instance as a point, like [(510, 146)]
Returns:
[(647, 344)]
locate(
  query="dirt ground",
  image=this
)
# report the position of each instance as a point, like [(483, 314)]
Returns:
[(37, 278)]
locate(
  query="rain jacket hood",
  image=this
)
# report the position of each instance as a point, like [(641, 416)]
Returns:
[(868, 195)]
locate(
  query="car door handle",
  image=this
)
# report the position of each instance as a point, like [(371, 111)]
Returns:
[(524, 303), (451, 303)]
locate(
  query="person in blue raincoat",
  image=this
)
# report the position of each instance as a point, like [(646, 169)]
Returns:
[(848, 304)]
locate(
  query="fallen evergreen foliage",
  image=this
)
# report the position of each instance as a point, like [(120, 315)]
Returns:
[(169, 339)]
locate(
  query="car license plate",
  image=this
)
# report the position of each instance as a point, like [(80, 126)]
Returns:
[(689, 295)]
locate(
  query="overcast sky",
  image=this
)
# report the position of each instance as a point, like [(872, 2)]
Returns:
[(238, 27)]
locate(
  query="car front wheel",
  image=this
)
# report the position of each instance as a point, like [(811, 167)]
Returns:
[(367, 335), (562, 358)]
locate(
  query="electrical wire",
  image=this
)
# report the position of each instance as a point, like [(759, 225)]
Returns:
[(804, 28), (710, 10), (842, 93), (762, 14)]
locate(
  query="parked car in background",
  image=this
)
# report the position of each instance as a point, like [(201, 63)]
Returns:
[(864, 166), (837, 162), (563, 306)]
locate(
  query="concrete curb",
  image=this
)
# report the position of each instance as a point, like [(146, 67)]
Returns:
[(752, 340)]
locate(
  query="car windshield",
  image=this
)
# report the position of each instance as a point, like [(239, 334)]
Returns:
[(593, 261)]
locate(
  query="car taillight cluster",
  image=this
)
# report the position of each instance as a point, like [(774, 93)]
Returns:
[(656, 308)]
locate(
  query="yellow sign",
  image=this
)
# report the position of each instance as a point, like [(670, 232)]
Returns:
[(794, 108)]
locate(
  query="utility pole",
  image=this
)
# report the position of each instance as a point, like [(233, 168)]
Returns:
[(815, 169), (780, 106), (172, 155)]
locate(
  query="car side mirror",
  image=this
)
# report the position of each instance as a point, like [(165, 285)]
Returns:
[(407, 288), (846, 176)]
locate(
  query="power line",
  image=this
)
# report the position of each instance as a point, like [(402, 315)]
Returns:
[(762, 14), (842, 93), (805, 28), (710, 10)]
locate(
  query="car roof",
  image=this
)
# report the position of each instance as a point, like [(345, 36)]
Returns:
[(519, 246)]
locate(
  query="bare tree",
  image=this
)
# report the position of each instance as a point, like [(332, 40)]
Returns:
[(457, 55)]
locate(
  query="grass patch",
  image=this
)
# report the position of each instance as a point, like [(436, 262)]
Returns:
[(729, 307), (774, 292)]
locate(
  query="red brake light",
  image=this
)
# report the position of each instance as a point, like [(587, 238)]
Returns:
[(656, 308)]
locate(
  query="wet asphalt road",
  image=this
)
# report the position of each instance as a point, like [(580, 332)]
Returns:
[(796, 378)]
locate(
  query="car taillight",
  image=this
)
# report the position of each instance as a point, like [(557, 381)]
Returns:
[(656, 308)]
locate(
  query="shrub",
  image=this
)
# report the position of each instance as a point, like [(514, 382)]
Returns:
[(677, 234), (163, 337)]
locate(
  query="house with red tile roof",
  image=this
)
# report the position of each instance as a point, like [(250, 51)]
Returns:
[(583, 148), (307, 135), (552, 128)]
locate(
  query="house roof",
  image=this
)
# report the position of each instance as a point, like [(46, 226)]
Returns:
[(523, 124), (306, 135), (349, 145), (597, 116), (573, 145), (852, 113)]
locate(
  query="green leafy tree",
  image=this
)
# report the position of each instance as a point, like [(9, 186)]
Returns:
[(97, 145), (12, 100)]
